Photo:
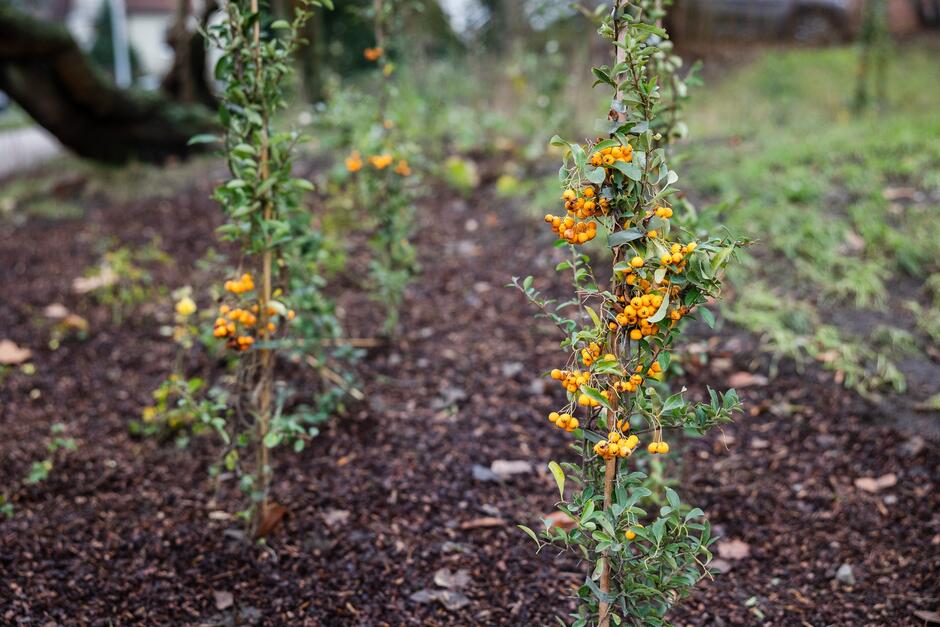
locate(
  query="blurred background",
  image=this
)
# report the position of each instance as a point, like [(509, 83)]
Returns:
[(810, 126)]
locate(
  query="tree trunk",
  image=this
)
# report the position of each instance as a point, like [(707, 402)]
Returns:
[(45, 72), (186, 80)]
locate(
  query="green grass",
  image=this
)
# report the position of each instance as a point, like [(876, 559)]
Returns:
[(846, 208), (14, 118)]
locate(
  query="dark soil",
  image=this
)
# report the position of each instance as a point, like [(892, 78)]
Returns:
[(127, 531)]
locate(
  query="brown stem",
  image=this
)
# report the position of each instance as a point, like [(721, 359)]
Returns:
[(610, 471)]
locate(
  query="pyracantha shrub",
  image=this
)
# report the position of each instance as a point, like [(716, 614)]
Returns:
[(619, 337)]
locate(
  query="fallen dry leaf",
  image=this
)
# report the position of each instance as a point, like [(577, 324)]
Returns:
[(450, 599), (11, 354), (223, 599), (85, 284), (873, 485), (270, 519), (928, 616), (746, 379), (335, 517), (505, 468), (56, 311), (733, 549), (561, 520), (454, 580), (719, 565), (485, 521)]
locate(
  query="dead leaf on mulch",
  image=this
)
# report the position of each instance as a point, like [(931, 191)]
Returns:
[(336, 517), (223, 599), (746, 379), (734, 549), (56, 311), (873, 485), (719, 565), (454, 580), (485, 521), (505, 468), (450, 599), (928, 616), (85, 284), (11, 354), (270, 519), (561, 520)]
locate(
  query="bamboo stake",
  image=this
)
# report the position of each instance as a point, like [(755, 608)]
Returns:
[(610, 470), (265, 382)]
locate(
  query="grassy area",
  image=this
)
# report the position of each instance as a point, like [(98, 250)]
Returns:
[(14, 118), (846, 207)]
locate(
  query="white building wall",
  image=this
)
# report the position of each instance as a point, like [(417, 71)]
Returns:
[(145, 31), (147, 35)]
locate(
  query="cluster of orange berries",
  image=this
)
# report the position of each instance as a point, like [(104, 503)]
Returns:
[(636, 314), (225, 327), (591, 352), (609, 156), (630, 384), (354, 163), (663, 212), (380, 162), (241, 285), (582, 207), (373, 54), (563, 421), (571, 380), (586, 205), (676, 256), (658, 447), (616, 445), (238, 324), (573, 232), (587, 401)]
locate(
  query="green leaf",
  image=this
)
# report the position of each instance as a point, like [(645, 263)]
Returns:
[(603, 76), (623, 237), (661, 312), (586, 514), (707, 317), (594, 316), (596, 175), (530, 533), (559, 475), (204, 138), (630, 170), (280, 24), (595, 395), (672, 498)]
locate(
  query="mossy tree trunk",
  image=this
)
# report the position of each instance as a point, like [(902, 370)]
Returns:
[(45, 72)]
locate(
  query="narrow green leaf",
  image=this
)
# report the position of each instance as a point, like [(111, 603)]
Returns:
[(661, 312), (530, 533), (559, 475)]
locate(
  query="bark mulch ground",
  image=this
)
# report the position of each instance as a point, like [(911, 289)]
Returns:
[(129, 531)]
